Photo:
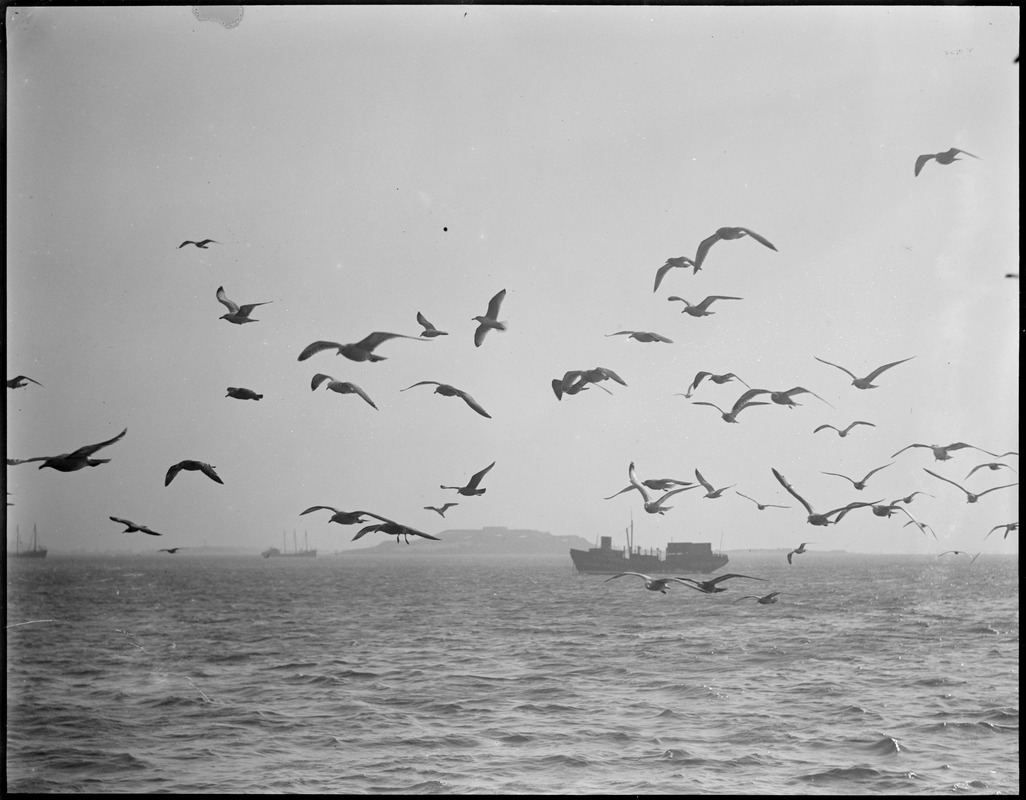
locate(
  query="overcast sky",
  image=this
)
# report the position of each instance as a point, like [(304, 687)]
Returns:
[(357, 165)]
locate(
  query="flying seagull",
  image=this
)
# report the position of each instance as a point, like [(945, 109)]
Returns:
[(201, 245), (76, 460), (21, 381), (970, 497), (357, 351), (394, 529), (345, 517), (652, 584), (718, 379), (730, 416), (131, 527), (575, 381), (846, 431), (446, 390), (781, 398), (815, 518), (489, 319), (859, 484), (866, 382), (702, 309), (470, 490), (710, 492), (342, 387), (799, 550), (726, 234), (764, 600), (761, 506), (241, 393), (189, 464), (1008, 528), (681, 262), (238, 315), (440, 510), (642, 336), (943, 452), (972, 557), (430, 331), (993, 465), (947, 157), (652, 506), (171, 550), (710, 587)]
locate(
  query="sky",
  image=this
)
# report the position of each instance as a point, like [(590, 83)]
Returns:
[(358, 165)]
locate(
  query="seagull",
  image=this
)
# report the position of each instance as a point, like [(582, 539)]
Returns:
[(729, 416), (642, 336), (238, 315), (799, 550), (490, 319), (947, 157), (761, 506), (970, 497), (201, 245), (652, 584), (441, 511), (923, 527), (171, 550), (718, 379), (189, 464), (710, 492), (765, 600), (860, 484), (446, 390), (357, 351), (1008, 526), (131, 527), (908, 498), (240, 393), (21, 381), (76, 460), (345, 517), (682, 262), (342, 387), (866, 382), (846, 431), (993, 465), (702, 309), (656, 484), (395, 529), (652, 506), (814, 518), (781, 398), (575, 381), (430, 331), (710, 587), (972, 557), (942, 452), (470, 490), (726, 234)]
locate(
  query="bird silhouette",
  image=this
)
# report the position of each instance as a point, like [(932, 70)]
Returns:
[(783, 398), (702, 309), (970, 497), (131, 527), (194, 466), (471, 489), (680, 262), (171, 550), (710, 586), (489, 320), (726, 234), (859, 484), (446, 390), (972, 557), (764, 600), (238, 315), (395, 529), (202, 245), (1008, 528), (993, 465), (642, 336), (710, 492), (440, 510), (240, 393), (344, 517), (75, 460), (845, 431), (761, 506), (947, 157), (651, 506), (866, 382), (815, 518), (738, 407), (717, 379), (430, 331), (652, 584), (21, 381), (575, 381), (943, 452), (356, 351), (341, 387), (799, 550)]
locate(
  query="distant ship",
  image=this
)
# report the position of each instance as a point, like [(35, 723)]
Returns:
[(681, 558), (35, 552), (306, 552)]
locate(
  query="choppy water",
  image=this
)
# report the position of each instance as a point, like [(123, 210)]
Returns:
[(874, 675)]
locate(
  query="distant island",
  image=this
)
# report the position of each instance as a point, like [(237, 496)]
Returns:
[(489, 541)]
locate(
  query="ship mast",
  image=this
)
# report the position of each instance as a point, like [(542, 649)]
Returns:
[(17, 538), (630, 535)]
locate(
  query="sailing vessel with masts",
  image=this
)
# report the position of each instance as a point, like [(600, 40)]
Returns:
[(35, 552), (306, 552), (680, 558)]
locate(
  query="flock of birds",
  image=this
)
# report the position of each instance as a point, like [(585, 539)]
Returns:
[(653, 493)]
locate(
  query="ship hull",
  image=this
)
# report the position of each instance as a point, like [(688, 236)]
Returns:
[(40, 553), (609, 562)]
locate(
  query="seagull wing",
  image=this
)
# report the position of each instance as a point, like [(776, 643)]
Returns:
[(315, 347), (495, 303), (947, 480), (921, 161), (838, 366), (470, 401), (708, 486), (966, 153), (903, 449), (357, 390), (246, 310), (839, 475), (373, 340), (719, 578), (318, 379), (703, 248), (208, 470), (791, 491), (760, 239), (423, 321), (126, 522), (872, 375), (223, 300), (89, 449), (621, 574), (995, 488), (826, 425), (320, 508), (174, 470), (422, 383), (874, 471), (476, 479)]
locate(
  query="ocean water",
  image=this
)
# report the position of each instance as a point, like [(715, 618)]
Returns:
[(422, 675)]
